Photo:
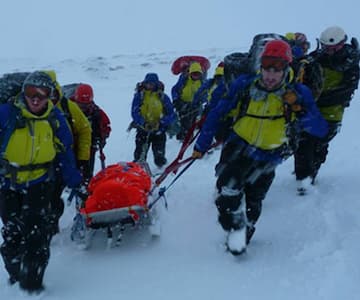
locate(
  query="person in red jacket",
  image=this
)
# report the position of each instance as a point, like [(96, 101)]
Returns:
[(100, 122)]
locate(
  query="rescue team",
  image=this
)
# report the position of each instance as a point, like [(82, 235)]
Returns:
[(292, 105)]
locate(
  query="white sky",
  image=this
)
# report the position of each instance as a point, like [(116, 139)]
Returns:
[(304, 248), (69, 28)]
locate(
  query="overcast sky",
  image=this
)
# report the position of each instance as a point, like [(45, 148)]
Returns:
[(110, 27)]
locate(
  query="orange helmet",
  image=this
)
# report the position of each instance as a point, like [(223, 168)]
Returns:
[(84, 94)]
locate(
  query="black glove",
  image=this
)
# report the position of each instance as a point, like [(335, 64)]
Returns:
[(80, 193), (151, 127), (84, 167)]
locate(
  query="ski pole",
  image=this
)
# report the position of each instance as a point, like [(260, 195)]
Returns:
[(102, 157)]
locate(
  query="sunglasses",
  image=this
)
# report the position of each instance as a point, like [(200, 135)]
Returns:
[(33, 92), (278, 64)]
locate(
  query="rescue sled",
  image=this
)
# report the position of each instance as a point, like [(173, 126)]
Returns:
[(118, 196)]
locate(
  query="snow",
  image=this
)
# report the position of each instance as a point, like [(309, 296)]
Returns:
[(303, 248)]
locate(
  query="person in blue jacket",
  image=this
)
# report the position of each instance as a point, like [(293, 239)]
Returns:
[(183, 93), (269, 109), (203, 95), (34, 139), (152, 114)]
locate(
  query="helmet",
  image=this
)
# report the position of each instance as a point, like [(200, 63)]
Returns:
[(332, 36), (278, 49), (219, 71), (39, 79), (195, 67), (84, 94)]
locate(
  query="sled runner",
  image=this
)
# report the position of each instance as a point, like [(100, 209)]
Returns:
[(118, 196)]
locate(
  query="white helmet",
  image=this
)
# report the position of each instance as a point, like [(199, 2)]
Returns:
[(333, 36)]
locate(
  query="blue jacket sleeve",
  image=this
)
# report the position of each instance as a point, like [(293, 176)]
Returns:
[(213, 119), (177, 88), (135, 109), (169, 114), (216, 95), (66, 157), (311, 120), (201, 94)]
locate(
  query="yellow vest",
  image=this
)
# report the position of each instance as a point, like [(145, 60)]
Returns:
[(33, 144), (189, 90), (151, 108), (332, 79), (258, 129)]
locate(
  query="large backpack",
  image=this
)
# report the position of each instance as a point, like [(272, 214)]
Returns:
[(69, 90), (239, 63), (11, 85)]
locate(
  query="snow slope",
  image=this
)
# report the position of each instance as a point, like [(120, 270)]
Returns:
[(304, 247)]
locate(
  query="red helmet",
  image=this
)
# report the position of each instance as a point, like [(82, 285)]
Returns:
[(84, 94), (278, 49)]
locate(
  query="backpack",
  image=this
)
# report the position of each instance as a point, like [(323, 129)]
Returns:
[(11, 85), (239, 63), (68, 90)]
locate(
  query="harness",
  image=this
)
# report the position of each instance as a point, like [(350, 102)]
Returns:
[(244, 97)]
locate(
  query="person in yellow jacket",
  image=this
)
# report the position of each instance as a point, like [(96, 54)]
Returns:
[(81, 130), (183, 93), (269, 105), (152, 114), (34, 140)]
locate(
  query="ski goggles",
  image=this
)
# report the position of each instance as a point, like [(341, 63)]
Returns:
[(269, 62), (34, 92)]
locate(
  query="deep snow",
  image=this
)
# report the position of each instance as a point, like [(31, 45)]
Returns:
[(304, 247)]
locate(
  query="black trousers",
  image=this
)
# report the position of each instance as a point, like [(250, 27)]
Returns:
[(187, 115), (157, 140), (312, 152), (26, 233), (244, 176)]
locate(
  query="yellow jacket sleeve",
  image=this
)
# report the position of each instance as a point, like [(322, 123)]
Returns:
[(81, 131)]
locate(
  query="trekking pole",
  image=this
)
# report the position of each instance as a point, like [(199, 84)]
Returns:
[(164, 189), (176, 163), (102, 157)]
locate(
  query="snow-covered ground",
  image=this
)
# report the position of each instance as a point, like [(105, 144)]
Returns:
[(304, 247)]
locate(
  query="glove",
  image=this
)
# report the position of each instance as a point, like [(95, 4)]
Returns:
[(197, 154), (81, 195), (290, 98), (151, 127), (84, 167)]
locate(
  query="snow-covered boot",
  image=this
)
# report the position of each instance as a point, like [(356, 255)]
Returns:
[(236, 241), (237, 237)]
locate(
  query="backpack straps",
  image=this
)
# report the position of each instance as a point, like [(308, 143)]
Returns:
[(9, 128), (64, 103), (15, 121)]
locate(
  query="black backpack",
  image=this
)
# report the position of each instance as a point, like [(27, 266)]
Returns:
[(239, 63), (11, 85), (68, 90)]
